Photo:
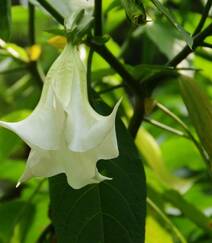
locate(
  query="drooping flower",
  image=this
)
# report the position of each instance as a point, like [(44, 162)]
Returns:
[(65, 133)]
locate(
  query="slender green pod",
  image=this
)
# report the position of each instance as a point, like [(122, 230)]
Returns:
[(200, 112)]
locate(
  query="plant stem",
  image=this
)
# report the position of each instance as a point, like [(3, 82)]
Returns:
[(89, 71), (172, 115), (116, 65), (138, 116), (166, 219), (31, 31), (205, 44), (198, 39), (31, 23), (97, 32), (165, 127), (186, 129), (203, 17), (98, 18), (52, 11)]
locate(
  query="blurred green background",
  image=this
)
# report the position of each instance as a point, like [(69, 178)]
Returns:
[(179, 187)]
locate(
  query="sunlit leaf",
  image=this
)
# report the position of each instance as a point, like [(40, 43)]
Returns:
[(156, 231), (15, 51), (151, 151), (187, 37), (200, 112)]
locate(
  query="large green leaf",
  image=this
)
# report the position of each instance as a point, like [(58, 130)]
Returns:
[(200, 112), (5, 19), (110, 212)]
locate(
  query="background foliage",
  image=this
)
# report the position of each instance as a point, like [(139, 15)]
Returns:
[(162, 69)]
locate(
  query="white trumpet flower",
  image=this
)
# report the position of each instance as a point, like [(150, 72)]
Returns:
[(65, 133)]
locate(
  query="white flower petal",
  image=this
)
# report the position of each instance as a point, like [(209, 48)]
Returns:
[(43, 127), (85, 128), (80, 169), (42, 163)]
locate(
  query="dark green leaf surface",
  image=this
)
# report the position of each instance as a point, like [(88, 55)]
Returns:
[(5, 19), (200, 112), (110, 212)]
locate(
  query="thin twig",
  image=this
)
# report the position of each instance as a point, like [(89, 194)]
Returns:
[(205, 44), (98, 18), (89, 72), (138, 116), (171, 114), (33, 66), (166, 219), (103, 51), (203, 17), (165, 127), (186, 129), (54, 13), (31, 23)]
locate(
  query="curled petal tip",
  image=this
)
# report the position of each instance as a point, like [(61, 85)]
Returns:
[(18, 184), (118, 104)]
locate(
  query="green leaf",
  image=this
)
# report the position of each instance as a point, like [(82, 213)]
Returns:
[(15, 51), (5, 19), (152, 153), (189, 210), (11, 230), (200, 112), (160, 214), (186, 36), (112, 211), (154, 230)]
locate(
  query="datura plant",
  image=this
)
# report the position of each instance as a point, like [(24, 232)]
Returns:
[(65, 133)]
